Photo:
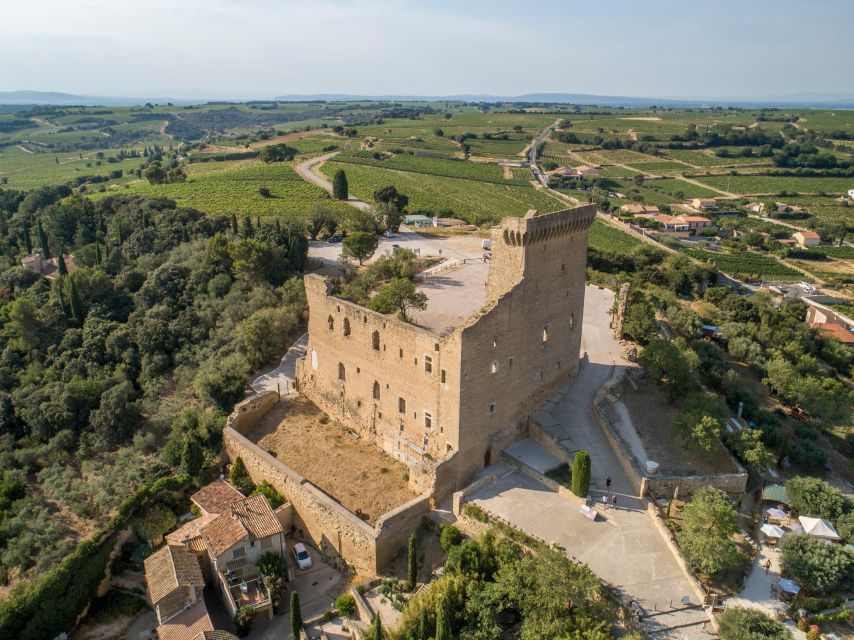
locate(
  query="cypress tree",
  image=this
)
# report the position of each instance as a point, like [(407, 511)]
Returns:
[(443, 620), (60, 264), (247, 231), (581, 474), (43, 241), (377, 629), (412, 561), (97, 253), (339, 185), (4, 229), (76, 306), (61, 297), (28, 241), (423, 625), (296, 614), (234, 223)]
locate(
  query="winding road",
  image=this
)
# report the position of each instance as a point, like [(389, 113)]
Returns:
[(306, 171)]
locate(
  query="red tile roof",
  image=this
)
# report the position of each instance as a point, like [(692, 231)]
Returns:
[(191, 530), (170, 568), (190, 624), (251, 517), (216, 497), (834, 330)]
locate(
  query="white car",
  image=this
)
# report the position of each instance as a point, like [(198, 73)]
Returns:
[(301, 556)]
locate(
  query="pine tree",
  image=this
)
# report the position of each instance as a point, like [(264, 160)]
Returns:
[(339, 185), (28, 241), (43, 241), (60, 264), (234, 223), (76, 306), (443, 620), (412, 561), (296, 615)]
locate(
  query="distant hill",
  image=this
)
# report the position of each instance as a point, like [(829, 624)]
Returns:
[(806, 100)]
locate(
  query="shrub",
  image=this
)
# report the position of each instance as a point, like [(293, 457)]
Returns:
[(270, 564), (345, 604), (808, 455), (239, 477), (581, 474), (243, 620), (275, 498), (450, 537), (742, 623)]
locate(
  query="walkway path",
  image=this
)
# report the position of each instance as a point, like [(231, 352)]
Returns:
[(625, 549), (307, 171), (282, 378)]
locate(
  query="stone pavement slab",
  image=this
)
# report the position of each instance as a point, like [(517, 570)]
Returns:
[(533, 455)]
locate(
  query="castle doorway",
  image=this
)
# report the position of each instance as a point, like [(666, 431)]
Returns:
[(487, 458)]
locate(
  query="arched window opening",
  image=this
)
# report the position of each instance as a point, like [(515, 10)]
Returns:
[(342, 373), (375, 340), (331, 322), (376, 391), (346, 326)]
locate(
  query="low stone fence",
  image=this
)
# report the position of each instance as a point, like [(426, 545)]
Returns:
[(460, 496), (659, 483), (539, 477), (338, 533), (536, 433)]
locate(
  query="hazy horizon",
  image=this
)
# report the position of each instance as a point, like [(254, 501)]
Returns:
[(264, 48)]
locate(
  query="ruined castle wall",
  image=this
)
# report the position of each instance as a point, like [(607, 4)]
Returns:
[(399, 381)]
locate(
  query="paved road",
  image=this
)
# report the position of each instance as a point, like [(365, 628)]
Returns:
[(532, 152), (282, 378), (625, 549), (305, 170)]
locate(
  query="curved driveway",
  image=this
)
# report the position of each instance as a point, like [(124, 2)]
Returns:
[(306, 172)]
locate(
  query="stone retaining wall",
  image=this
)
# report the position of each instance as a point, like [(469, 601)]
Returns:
[(539, 477), (338, 533)]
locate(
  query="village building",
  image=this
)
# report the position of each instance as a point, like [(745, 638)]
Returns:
[(47, 268), (174, 580), (639, 209), (831, 323), (806, 238), (586, 170), (702, 204), (682, 225), (563, 172)]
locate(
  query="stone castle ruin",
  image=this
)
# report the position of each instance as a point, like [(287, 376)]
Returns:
[(446, 402), (442, 401)]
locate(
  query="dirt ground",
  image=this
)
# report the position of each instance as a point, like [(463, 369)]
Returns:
[(352, 471), (653, 416)]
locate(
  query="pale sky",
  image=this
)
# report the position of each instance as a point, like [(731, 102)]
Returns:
[(230, 48)]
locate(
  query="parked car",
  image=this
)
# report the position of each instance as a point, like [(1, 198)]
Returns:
[(388, 233), (333, 239), (301, 556)]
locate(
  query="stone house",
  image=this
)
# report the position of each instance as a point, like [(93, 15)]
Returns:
[(704, 203), (446, 402), (174, 580), (806, 238), (234, 541), (47, 268)]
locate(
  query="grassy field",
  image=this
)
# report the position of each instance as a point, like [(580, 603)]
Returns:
[(29, 170), (748, 265), (232, 187), (465, 198)]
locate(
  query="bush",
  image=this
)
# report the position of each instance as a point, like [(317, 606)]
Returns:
[(581, 474), (808, 455), (275, 498), (243, 621), (742, 623), (239, 477), (450, 537), (270, 564), (345, 604)]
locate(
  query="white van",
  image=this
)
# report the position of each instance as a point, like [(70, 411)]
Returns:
[(486, 245)]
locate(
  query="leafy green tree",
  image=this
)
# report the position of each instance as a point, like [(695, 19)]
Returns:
[(222, 381), (265, 334), (581, 474), (815, 565), (345, 604), (154, 173), (390, 195), (387, 216), (192, 455), (153, 522), (339, 185), (401, 295), (745, 623), (845, 526), (275, 498), (277, 153), (814, 497), (360, 245), (673, 364), (748, 446), (701, 432), (450, 537), (296, 615), (639, 323), (706, 535), (412, 561), (116, 417)]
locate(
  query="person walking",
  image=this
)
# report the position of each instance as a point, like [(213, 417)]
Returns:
[(604, 502), (608, 482), (767, 565), (614, 501)]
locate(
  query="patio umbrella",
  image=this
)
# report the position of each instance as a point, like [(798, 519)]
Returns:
[(774, 512), (772, 531), (789, 586)]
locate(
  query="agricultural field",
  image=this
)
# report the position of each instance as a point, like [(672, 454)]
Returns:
[(747, 265), (23, 170), (708, 159), (760, 184), (674, 187), (232, 187), (605, 237), (467, 199), (660, 167)]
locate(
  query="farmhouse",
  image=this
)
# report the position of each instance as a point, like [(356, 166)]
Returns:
[(174, 580), (563, 172), (48, 269), (851, 193), (680, 225), (585, 170), (639, 209), (703, 204), (831, 323), (806, 238)]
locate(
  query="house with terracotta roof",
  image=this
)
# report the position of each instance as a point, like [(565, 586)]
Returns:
[(806, 238), (831, 323), (192, 623), (696, 223), (639, 209), (174, 580), (563, 172), (216, 497), (47, 268), (234, 540), (586, 170)]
